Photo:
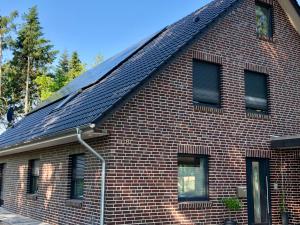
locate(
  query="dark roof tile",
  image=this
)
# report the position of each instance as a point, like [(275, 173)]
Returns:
[(95, 101)]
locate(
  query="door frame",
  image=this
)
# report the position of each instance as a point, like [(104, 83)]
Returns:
[(266, 163)]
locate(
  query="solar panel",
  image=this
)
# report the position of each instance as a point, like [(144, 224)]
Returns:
[(97, 73)]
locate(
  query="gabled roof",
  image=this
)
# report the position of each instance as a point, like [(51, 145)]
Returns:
[(94, 102)]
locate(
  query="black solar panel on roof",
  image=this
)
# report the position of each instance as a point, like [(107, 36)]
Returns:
[(93, 75)]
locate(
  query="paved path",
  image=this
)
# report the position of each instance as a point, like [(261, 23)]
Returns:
[(8, 218)]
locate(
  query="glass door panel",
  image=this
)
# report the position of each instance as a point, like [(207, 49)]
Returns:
[(258, 192)]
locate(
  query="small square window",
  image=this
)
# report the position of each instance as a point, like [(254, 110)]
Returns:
[(256, 90), (206, 84), (77, 176), (33, 176), (192, 178), (264, 20)]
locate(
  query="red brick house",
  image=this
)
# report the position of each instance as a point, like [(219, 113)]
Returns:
[(205, 109)]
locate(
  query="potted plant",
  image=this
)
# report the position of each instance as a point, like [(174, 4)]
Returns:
[(233, 205), (283, 210)]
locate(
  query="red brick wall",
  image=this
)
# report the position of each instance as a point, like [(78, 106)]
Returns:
[(285, 170), (50, 203), (151, 127), (158, 122)]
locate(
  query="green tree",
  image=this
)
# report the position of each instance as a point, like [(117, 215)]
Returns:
[(11, 94), (46, 86), (7, 25), (76, 67), (62, 71), (32, 54), (13, 90), (63, 64), (66, 70)]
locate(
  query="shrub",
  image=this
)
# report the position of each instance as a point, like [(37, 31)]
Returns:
[(232, 204)]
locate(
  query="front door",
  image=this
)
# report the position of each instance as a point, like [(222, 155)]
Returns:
[(258, 192), (1, 183)]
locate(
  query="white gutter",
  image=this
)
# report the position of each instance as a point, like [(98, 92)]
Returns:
[(53, 141), (103, 172)]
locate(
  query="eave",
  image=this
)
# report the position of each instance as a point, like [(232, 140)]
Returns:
[(292, 10), (66, 137)]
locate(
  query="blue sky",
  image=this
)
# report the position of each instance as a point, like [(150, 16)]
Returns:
[(102, 26)]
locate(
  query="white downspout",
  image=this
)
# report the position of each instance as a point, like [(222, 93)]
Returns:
[(103, 172)]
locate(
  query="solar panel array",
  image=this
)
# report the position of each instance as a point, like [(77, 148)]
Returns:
[(95, 74)]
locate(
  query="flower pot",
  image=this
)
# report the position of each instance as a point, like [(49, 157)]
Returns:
[(230, 222), (285, 218)]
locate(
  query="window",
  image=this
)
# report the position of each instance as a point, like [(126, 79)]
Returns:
[(256, 92), (33, 176), (206, 83), (192, 178), (263, 20), (77, 176)]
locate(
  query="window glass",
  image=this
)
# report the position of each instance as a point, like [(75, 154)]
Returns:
[(77, 183), (256, 193), (206, 83), (192, 178), (36, 168), (33, 174), (264, 20), (256, 92)]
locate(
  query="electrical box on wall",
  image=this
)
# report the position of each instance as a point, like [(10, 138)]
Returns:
[(241, 192)]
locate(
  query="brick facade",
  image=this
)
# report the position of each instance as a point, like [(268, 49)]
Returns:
[(146, 134), (52, 202)]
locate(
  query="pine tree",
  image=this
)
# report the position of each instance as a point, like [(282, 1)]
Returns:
[(31, 55), (6, 26), (62, 71), (63, 64), (76, 67)]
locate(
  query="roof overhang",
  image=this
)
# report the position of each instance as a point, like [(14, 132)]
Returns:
[(292, 10), (285, 142), (60, 139)]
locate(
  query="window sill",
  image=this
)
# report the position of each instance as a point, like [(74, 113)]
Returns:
[(207, 109), (194, 205), (265, 38), (258, 116), (33, 197), (75, 203)]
